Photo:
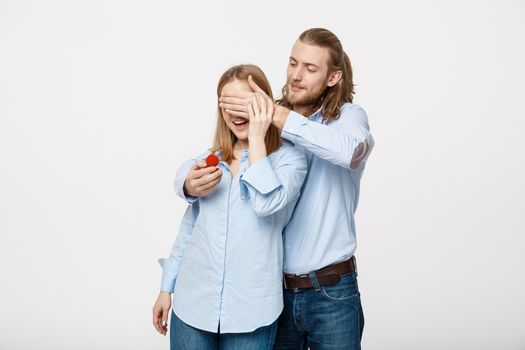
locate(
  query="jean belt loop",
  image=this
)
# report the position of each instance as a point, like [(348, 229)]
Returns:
[(315, 282), (355, 265)]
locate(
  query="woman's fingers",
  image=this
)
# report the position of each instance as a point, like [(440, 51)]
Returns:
[(262, 103), (207, 177), (198, 165), (157, 318), (165, 313), (255, 105), (200, 173), (207, 187), (251, 112), (209, 182)]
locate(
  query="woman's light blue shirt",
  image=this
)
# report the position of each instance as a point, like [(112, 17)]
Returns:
[(227, 259)]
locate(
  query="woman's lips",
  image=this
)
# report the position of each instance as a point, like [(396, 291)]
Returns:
[(240, 126)]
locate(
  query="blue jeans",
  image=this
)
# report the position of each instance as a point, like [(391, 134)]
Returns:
[(186, 337), (330, 317)]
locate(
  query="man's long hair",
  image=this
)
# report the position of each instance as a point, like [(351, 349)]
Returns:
[(335, 96), (224, 138)]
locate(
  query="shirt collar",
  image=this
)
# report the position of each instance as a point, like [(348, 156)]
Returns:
[(317, 114)]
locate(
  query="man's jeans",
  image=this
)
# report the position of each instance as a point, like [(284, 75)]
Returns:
[(328, 318), (186, 337)]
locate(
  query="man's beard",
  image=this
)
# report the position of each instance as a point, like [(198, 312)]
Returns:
[(310, 99)]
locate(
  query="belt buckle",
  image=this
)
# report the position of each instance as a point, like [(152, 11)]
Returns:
[(284, 282), (291, 275)]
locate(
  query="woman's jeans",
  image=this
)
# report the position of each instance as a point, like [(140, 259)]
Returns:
[(186, 337)]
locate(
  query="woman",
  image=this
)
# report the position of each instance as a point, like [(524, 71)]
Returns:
[(225, 269)]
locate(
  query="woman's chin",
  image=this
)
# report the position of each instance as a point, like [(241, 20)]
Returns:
[(241, 135)]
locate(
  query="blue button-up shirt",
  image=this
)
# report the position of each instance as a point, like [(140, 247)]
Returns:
[(226, 264), (322, 230)]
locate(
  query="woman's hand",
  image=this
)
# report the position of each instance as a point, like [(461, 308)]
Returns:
[(260, 111), (237, 104), (201, 179), (161, 311)]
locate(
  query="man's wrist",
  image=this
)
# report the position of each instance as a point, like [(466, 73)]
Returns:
[(280, 115)]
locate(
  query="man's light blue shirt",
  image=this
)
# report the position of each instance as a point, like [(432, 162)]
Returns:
[(226, 264), (322, 230)]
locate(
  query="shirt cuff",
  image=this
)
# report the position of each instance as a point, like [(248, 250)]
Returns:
[(179, 183), (190, 199), (292, 126), (169, 274), (260, 176)]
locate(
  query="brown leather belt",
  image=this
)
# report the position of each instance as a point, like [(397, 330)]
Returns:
[(326, 276)]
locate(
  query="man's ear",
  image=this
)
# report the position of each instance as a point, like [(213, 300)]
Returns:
[(334, 78)]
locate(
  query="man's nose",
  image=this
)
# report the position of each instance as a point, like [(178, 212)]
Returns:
[(297, 75)]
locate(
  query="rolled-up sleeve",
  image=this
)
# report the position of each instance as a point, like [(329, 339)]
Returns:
[(270, 186), (346, 142)]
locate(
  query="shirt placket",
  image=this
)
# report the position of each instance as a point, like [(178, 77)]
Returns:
[(229, 205)]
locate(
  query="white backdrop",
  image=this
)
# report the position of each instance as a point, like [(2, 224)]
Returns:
[(101, 101)]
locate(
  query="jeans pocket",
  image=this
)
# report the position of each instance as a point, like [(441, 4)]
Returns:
[(345, 289)]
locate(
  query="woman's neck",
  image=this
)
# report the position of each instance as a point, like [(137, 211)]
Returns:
[(240, 144)]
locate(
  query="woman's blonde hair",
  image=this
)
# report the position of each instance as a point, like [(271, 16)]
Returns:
[(224, 138)]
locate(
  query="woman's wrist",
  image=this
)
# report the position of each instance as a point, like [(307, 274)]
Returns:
[(257, 148), (256, 140)]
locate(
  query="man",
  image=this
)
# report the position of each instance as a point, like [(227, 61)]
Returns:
[(322, 308)]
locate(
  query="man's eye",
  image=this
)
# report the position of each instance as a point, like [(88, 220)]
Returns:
[(311, 70), (293, 64)]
